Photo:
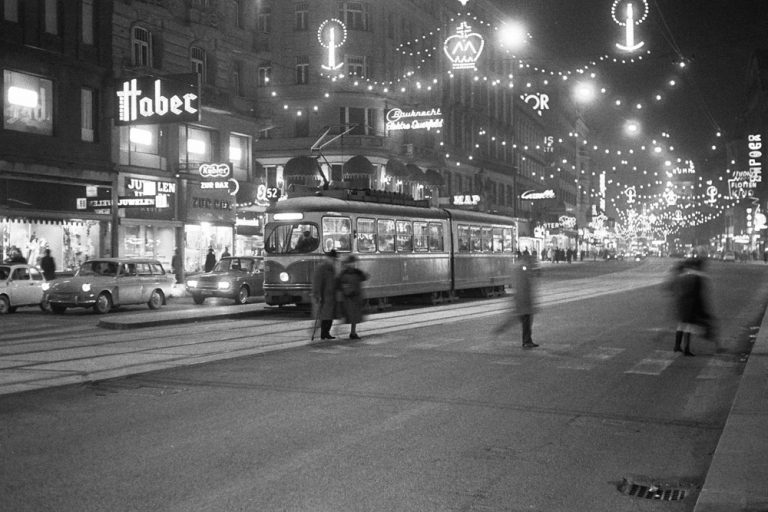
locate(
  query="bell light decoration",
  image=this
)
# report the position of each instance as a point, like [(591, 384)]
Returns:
[(464, 47)]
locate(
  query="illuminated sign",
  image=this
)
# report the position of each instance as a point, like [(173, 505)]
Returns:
[(744, 183), (464, 47), (688, 169), (149, 100), (712, 194), (567, 221), (414, 119), (332, 34), (532, 195), (628, 22), (630, 192), (215, 171), (538, 101), (549, 144), (670, 197), (466, 200)]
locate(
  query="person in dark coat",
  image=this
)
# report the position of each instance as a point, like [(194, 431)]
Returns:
[(351, 286), (48, 266), (210, 260), (324, 294), (691, 298), (523, 300)]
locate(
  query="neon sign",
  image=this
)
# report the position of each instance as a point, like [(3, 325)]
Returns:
[(332, 34), (630, 192), (532, 195), (214, 170), (712, 194), (466, 200), (629, 23), (540, 101), (414, 119), (744, 183), (464, 47), (181, 104)]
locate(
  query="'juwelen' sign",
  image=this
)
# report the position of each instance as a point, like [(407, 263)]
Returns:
[(151, 100)]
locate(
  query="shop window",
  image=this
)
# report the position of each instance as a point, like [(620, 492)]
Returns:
[(404, 236), (239, 155), (436, 237), (196, 145), (420, 237), (27, 103), (337, 234), (366, 235), (386, 235), (142, 145), (463, 236)]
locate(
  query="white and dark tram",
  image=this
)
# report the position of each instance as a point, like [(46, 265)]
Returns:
[(406, 247)]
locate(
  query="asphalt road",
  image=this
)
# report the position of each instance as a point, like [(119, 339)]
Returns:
[(432, 413)]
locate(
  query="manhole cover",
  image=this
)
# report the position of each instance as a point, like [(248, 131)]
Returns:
[(652, 490)]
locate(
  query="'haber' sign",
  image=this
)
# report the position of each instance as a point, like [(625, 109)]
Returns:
[(152, 100)]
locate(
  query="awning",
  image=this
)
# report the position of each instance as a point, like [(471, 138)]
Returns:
[(432, 177), (301, 166), (396, 168), (359, 166), (415, 173)]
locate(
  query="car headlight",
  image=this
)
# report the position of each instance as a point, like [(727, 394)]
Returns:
[(224, 285), (284, 277), (46, 287), (86, 287), (192, 283)]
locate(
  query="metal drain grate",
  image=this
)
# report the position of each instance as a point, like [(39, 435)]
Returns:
[(655, 493)]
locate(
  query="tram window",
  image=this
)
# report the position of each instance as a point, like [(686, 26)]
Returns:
[(435, 237), (291, 238), (463, 238), (366, 235), (475, 239), (337, 234), (487, 239), (508, 245), (386, 238), (404, 236), (420, 237), (497, 240)]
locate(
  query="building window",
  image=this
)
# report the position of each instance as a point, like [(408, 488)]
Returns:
[(364, 120), (52, 16), (302, 16), (265, 75), (302, 123), (237, 6), (266, 133), (240, 156), (141, 43), (354, 15), (11, 10), (237, 78), (265, 20), (196, 145), (357, 66), (87, 21), (27, 103), (86, 114), (141, 138), (302, 69), (198, 57)]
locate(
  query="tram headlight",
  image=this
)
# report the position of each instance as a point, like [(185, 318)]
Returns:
[(284, 277)]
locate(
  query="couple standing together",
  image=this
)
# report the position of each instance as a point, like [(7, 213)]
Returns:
[(331, 292)]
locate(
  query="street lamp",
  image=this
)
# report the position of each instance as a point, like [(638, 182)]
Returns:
[(513, 35)]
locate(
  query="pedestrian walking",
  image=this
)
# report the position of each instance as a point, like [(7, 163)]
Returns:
[(210, 260), (523, 300), (351, 286), (176, 265), (48, 266), (324, 294), (691, 289)]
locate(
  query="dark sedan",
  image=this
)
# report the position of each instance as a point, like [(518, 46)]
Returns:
[(233, 277)]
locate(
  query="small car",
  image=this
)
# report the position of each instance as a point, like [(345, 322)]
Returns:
[(21, 285), (729, 256), (233, 277), (106, 283)]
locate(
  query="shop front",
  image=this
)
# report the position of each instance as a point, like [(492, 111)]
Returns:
[(72, 220), (210, 224)]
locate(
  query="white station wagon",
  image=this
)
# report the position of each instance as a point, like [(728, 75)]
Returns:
[(107, 283)]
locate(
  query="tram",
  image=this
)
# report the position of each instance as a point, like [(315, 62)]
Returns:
[(406, 247)]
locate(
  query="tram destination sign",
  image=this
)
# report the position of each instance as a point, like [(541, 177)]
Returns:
[(154, 100)]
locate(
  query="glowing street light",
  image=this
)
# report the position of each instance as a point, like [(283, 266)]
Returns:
[(513, 35), (632, 128), (584, 92)]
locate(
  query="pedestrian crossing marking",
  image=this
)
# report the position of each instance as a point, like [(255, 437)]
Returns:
[(654, 365)]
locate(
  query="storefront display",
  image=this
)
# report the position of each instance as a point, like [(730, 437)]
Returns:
[(199, 238)]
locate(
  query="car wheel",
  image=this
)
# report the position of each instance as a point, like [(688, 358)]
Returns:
[(155, 300), (242, 295), (5, 305), (103, 303), (58, 309), (198, 299)]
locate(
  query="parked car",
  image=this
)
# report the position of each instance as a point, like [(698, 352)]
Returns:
[(21, 285), (233, 277), (729, 256), (106, 283)]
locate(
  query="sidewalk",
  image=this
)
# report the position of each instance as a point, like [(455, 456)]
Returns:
[(737, 480)]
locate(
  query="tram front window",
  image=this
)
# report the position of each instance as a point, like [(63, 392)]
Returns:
[(292, 239)]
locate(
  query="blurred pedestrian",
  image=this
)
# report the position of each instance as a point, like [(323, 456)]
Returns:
[(226, 254), (176, 265), (15, 256), (48, 266), (351, 286), (523, 300), (691, 288), (210, 260), (324, 294)]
